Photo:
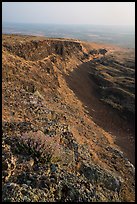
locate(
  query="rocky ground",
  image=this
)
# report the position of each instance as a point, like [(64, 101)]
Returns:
[(52, 148)]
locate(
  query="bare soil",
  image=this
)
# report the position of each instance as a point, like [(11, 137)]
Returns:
[(102, 114)]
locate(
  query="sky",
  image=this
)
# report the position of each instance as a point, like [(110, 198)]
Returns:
[(94, 13)]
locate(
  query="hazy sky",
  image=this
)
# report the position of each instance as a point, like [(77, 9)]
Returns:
[(97, 13)]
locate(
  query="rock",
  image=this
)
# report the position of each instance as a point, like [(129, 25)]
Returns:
[(96, 175), (131, 167), (53, 168), (24, 185), (37, 93), (112, 183), (94, 51), (91, 173), (11, 185), (26, 199), (102, 51), (28, 182), (4, 165), (85, 55), (53, 179), (31, 162), (69, 193), (43, 184), (45, 106)]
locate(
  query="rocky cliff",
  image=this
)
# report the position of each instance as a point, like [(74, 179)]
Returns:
[(57, 145)]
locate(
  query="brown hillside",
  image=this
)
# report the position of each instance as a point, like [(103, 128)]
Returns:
[(67, 121)]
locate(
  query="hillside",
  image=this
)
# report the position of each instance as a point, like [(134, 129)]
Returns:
[(67, 121)]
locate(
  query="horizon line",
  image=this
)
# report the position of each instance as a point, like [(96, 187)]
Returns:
[(67, 23)]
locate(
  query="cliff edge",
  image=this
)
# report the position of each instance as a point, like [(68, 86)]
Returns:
[(67, 108)]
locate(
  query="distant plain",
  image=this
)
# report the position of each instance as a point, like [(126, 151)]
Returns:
[(123, 36)]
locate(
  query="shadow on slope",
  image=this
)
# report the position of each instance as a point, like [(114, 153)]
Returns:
[(104, 115)]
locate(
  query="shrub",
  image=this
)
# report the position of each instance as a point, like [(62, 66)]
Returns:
[(40, 146)]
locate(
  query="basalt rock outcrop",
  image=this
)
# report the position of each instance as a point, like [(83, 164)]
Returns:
[(52, 149)]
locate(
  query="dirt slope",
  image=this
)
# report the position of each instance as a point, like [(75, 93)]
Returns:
[(103, 114), (55, 148)]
